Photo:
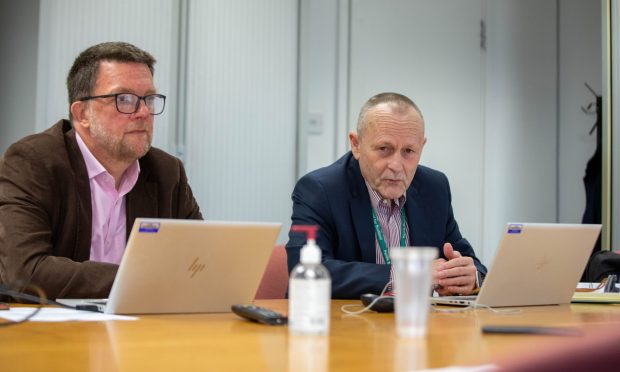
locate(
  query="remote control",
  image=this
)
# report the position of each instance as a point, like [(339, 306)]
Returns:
[(259, 314)]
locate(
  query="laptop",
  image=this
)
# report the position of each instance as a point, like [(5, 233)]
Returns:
[(535, 264), (188, 266)]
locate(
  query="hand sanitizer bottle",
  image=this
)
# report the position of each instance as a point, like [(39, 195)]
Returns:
[(309, 289)]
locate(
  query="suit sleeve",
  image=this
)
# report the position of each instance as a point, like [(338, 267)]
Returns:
[(28, 243), (350, 278)]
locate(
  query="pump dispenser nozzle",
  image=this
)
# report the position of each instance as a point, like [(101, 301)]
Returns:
[(310, 253), (310, 230)]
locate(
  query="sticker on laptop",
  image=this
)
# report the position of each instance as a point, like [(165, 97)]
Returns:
[(149, 227), (515, 228)]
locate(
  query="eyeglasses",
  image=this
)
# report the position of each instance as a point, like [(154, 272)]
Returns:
[(129, 103)]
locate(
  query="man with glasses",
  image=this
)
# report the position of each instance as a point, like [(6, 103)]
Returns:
[(69, 195)]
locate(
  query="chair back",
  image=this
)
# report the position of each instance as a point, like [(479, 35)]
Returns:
[(274, 283)]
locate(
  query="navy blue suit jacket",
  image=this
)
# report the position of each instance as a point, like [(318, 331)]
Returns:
[(336, 199)]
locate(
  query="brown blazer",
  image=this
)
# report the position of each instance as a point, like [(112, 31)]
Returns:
[(45, 212)]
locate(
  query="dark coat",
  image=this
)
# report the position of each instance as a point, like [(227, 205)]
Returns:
[(45, 212), (336, 199)]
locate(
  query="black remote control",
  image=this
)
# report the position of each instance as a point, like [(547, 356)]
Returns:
[(259, 314)]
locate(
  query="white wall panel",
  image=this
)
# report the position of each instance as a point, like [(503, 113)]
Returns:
[(19, 25), (67, 27), (241, 107), (318, 83), (521, 116)]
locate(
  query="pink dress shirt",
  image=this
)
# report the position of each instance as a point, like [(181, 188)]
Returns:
[(108, 207)]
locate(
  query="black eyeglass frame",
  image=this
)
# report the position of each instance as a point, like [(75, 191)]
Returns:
[(136, 108)]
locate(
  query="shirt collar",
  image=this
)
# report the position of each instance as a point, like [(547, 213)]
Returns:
[(375, 198), (95, 168)]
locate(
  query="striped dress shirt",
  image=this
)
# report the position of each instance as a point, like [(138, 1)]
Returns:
[(388, 213)]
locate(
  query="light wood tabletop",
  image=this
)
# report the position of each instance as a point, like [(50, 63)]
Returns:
[(225, 342)]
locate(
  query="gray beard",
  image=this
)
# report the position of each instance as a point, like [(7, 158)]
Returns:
[(119, 150)]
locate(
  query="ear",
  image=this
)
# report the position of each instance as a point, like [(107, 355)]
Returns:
[(355, 144), (79, 113)]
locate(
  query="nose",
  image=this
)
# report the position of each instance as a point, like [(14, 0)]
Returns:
[(395, 163), (395, 166), (143, 110)]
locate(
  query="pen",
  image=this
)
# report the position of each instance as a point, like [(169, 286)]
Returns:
[(533, 330)]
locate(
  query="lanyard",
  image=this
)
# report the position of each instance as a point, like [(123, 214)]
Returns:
[(381, 238)]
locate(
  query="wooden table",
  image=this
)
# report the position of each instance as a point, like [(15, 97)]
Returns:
[(224, 342)]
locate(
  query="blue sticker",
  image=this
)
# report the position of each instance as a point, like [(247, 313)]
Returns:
[(149, 227), (515, 228)]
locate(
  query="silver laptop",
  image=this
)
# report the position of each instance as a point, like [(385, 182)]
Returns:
[(188, 266), (535, 264)]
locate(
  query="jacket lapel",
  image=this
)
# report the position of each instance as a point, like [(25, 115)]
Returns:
[(82, 187), (414, 209), (362, 222), (141, 201), (361, 212)]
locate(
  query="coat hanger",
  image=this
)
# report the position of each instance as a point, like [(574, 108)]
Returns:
[(592, 108)]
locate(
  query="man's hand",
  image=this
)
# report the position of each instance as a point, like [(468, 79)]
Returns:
[(456, 275)]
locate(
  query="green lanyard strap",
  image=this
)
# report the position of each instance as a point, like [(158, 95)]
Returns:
[(381, 239)]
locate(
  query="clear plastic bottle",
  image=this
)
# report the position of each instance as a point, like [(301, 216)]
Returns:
[(309, 289)]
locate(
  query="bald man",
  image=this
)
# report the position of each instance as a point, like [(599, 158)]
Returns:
[(376, 198)]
